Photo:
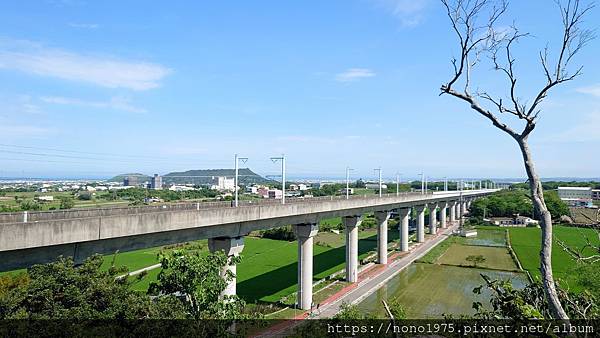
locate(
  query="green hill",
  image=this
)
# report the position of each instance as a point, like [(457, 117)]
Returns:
[(120, 178), (246, 176)]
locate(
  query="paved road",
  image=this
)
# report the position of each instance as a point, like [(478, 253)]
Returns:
[(371, 284)]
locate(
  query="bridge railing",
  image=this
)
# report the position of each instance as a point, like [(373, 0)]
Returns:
[(33, 216)]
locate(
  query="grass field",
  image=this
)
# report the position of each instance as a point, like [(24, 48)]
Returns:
[(487, 237), (526, 244), (265, 261), (495, 257)]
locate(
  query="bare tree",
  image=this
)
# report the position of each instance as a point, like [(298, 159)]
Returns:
[(475, 23)]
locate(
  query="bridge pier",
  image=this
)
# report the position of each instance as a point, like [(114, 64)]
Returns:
[(232, 248), (464, 208), (452, 211), (382, 227), (443, 207), (421, 223), (305, 234), (433, 218), (404, 216), (351, 225)]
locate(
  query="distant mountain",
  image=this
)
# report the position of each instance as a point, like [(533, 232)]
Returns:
[(141, 177), (246, 176)]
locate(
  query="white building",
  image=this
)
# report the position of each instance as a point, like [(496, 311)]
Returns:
[(576, 196), (180, 188), (45, 198), (252, 189), (275, 194), (375, 186), (222, 183)]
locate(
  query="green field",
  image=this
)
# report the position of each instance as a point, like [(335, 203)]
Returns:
[(495, 257), (431, 290), (265, 261), (526, 244), (487, 237)]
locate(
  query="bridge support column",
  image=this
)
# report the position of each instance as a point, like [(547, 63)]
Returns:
[(452, 212), (351, 225), (421, 223), (232, 248), (433, 218), (305, 234), (404, 216), (443, 208), (382, 227), (464, 208)]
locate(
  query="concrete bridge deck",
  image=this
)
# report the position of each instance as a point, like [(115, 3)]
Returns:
[(37, 237)]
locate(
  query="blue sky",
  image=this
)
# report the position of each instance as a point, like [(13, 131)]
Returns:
[(104, 87)]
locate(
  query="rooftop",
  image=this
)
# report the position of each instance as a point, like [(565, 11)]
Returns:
[(575, 188)]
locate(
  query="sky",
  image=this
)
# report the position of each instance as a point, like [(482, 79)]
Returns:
[(97, 88)]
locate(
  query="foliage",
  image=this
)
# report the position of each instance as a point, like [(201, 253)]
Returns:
[(349, 311), (475, 259), (507, 203), (284, 233), (85, 196), (328, 190), (59, 290), (360, 183), (66, 202), (196, 276), (28, 205), (530, 303), (397, 309), (553, 185), (368, 222), (555, 205)]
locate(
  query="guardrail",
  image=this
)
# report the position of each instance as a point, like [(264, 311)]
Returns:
[(33, 216)]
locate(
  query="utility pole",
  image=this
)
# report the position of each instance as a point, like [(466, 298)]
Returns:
[(426, 184), (398, 183), (282, 159), (236, 181), (348, 169), (422, 183), (445, 183), (379, 170)]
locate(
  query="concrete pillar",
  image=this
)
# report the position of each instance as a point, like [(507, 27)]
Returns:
[(351, 225), (382, 227), (404, 216), (25, 216), (305, 234), (420, 223), (433, 218), (232, 248), (443, 207), (452, 212), (464, 208)]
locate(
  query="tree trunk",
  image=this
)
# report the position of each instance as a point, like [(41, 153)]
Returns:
[(537, 196)]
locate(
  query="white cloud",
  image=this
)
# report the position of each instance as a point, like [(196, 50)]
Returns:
[(117, 103), (410, 12), (84, 25), (33, 58), (591, 90), (354, 74)]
